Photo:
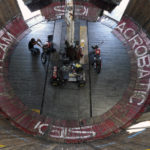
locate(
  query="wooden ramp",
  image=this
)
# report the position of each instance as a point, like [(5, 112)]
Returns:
[(84, 44)]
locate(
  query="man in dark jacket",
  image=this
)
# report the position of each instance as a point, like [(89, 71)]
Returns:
[(31, 45)]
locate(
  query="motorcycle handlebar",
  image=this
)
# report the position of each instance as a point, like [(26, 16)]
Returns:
[(97, 45)]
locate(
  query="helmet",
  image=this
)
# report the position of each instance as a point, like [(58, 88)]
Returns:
[(46, 45)]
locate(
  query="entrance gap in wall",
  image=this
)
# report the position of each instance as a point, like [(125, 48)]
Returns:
[(27, 14), (118, 12)]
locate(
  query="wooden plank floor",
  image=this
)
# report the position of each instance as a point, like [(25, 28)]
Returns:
[(102, 91), (25, 71), (108, 87), (13, 139)]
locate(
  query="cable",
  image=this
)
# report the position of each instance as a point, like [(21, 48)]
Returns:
[(90, 89), (44, 89)]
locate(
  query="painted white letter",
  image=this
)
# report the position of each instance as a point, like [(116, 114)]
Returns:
[(138, 97), (137, 40), (126, 34), (121, 27), (141, 51), (3, 46), (143, 73), (144, 61)]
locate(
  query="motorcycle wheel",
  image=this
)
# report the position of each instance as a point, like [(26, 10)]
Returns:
[(54, 82), (98, 67), (81, 84), (43, 58)]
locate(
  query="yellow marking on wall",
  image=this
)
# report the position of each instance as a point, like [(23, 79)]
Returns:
[(36, 110), (2, 146), (84, 44)]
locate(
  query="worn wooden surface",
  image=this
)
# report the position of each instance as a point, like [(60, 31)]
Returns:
[(13, 139), (8, 10), (113, 142), (102, 91), (139, 11)]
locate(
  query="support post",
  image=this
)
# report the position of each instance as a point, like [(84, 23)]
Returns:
[(69, 18)]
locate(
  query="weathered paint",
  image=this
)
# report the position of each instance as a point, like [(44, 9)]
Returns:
[(84, 44), (2, 146), (121, 114), (6, 39), (69, 19), (105, 145), (9, 34), (140, 44), (83, 10), (132, 136), (36, 110), (66, 133)]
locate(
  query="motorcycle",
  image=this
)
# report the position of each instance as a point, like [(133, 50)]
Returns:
[(97, 62), (47, 49), (45, 53)]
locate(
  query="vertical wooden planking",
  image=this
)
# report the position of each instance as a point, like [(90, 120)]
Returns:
[(15, 7), (3, 12), (139, 11), (8, 10), (131, 5)]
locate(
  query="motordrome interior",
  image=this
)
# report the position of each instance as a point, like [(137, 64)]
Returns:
[(107, 103), (102, 91)]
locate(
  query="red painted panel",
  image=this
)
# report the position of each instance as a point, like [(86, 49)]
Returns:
[(8, 35), (10, 107), (126, 29), (83, 10), (17, 26), (119, 116)]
